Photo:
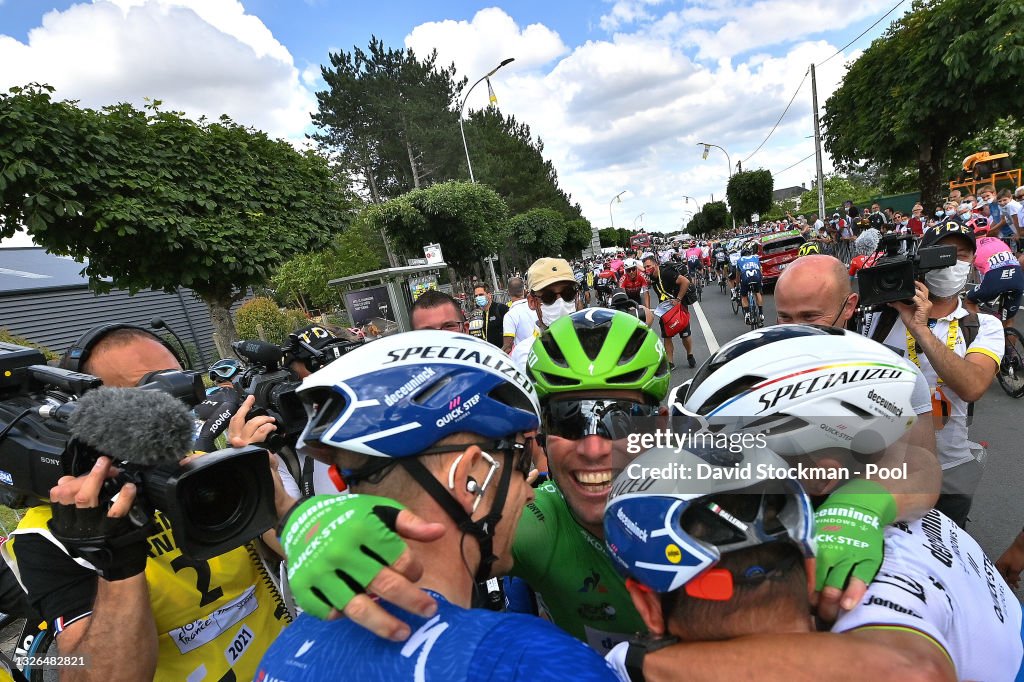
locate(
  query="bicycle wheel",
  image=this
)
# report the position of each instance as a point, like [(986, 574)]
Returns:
[(735, 300), (1011, 369)]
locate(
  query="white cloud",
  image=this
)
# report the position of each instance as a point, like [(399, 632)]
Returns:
[(203, 57), (626, 12)]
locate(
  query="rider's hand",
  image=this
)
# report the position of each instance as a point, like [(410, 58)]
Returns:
[(1011, 563), (335, 546), (850, 537)]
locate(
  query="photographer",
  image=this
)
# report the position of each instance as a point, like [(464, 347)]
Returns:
[(959, 354), (148, 611)]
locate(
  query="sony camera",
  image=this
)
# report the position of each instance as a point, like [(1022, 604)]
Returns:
[(901, 263), (215, 503)]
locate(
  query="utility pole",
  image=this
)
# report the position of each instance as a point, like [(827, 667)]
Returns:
[(817, 147)]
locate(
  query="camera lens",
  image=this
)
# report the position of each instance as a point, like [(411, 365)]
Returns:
[(890, 281), (220, 503)]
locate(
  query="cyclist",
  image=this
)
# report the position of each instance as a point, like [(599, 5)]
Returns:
[(1001, 275), (440, 422), (671, 288), (635, 284), (693, 258), (809, 248), (721, 259), (213, 415), (734, 564), (621, 302), (749, 267)]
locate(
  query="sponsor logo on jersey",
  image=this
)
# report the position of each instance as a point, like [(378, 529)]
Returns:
[(805, 387), (852, 514), (932, 527), (903, 582), (885, 603), (592, 583), (199, 632), (593, 612)]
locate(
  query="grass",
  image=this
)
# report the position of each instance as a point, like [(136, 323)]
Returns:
[(9, 519)]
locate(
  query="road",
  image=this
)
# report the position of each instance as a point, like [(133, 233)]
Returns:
[(998, 512)]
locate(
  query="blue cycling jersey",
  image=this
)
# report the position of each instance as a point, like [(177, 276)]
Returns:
[(456, 644), (749, 267)]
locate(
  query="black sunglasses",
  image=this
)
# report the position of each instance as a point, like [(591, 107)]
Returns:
[(548, 296), (576, 419)]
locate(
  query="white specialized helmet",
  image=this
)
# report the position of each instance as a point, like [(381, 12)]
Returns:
[(806, 388)]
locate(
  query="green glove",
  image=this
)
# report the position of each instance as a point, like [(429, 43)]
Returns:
[(850, 533), (336, 545)]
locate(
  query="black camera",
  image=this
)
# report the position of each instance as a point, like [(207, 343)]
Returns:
[(215, 503), (892, 276)]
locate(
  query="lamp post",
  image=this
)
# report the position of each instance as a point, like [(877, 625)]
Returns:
[(614, 199), (728, 161), (689, 199), (463, 108), (640, 218)]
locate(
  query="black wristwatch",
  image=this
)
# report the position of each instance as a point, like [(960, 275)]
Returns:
[(638, 648)]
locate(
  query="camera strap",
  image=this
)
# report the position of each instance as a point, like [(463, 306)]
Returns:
[(886, 321)]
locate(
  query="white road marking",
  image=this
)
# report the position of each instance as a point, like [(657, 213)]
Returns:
[(705, 326)]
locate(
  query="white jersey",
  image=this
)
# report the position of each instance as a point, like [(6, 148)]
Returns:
[(936, 579), (520, 322), (733, 257)]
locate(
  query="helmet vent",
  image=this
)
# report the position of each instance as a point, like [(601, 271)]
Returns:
[(555, 380), (628, 377), (633, 346), (592, 340), (509, 395), (430, 391), (777, 424), (730, 390), (554, 351), (860, 412)]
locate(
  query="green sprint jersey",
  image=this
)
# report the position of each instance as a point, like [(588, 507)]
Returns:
[(576, 584)]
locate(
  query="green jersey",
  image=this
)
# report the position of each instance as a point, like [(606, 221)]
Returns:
[(577, 586)]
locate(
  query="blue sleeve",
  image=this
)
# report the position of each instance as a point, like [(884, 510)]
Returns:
[(551, 654)]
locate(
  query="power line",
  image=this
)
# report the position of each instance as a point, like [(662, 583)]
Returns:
[(791, 100), (840, 50), (794, 165)]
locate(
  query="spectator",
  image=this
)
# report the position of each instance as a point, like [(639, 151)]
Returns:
[(851, 211), (147, 600), (553, 295), (959, 354), (819, 225), (493, 314), (437, 310), (520, 321), (670, 287), (1009, 224)]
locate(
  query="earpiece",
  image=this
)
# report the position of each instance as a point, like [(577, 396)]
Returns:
[(472, 486)]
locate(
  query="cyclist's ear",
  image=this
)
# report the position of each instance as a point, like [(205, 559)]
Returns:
[(648, 605)]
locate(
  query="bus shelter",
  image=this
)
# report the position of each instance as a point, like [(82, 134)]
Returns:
[(380, 300)]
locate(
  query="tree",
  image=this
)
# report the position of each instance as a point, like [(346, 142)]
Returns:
[(304, 278), (696, 226), (838, 188), (463, 217), (940, 74), (390, 119), (155, 200), (714, 217), (506, 157), (578, 235), (750, 192)]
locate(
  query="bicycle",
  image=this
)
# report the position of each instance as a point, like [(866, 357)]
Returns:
[(1011, 368), (735, 300), (753, 308)]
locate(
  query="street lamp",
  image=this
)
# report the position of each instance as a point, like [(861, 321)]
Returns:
[(689, 199), (463, 108), (614, 199), (728, 161), (640, 218)]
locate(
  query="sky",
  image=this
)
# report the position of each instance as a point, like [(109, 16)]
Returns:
[(620, 91)]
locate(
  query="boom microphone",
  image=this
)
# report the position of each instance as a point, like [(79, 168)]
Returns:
[(260, 352), (146, 428)]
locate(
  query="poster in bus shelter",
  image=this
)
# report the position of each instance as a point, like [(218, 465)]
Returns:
[(417, 285), (365, 304)]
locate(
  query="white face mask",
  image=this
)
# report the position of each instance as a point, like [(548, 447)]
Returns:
[(556, 311), (948, 281)]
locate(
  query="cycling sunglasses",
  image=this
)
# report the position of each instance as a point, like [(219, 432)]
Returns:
[(226, 369), (547, 296), (576, 419)]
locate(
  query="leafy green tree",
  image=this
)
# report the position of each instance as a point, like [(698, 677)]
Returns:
[(940, 74), (838, 188), (696, 226), (304, 278), (260, 318), (578, 234), (463, 217), (155, 200), (390, 119), (750, 192), (714, 217)]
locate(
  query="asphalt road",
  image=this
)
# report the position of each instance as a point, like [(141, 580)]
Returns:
[(998, 511)]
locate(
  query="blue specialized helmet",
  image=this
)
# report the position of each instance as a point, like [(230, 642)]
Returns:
[(652, 519), (401, 394)]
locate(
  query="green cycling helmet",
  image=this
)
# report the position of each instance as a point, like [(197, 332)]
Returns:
[(809, 249), (598, 349)]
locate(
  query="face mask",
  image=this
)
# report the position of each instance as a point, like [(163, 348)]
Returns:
[(556, 311), (948, 281), (481, 301), (939, 214)]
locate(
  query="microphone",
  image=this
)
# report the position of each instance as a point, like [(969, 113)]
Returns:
[(260, 352), (146, 428), (158, 323)]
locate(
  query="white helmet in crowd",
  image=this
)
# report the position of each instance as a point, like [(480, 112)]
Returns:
[(806, 388)]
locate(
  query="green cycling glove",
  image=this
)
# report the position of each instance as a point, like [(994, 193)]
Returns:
[(850, 533), (336, 545)]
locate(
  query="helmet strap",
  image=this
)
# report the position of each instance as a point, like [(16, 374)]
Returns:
[(482, 529)]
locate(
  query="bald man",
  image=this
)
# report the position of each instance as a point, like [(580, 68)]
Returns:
[(816, 290)]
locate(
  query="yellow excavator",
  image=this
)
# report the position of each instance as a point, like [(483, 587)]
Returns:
[(984, 167)]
